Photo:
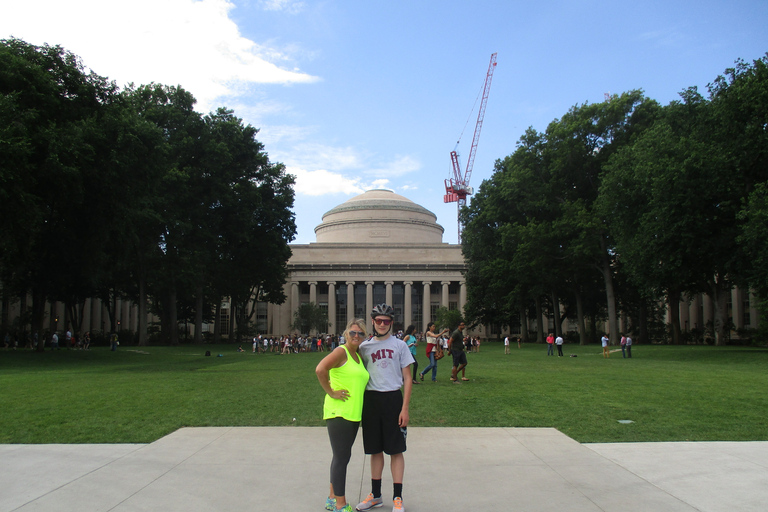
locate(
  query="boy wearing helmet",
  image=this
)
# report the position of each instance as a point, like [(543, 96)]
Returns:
[(385, 407)]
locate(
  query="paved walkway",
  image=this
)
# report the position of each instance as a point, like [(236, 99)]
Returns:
[(258, 469)]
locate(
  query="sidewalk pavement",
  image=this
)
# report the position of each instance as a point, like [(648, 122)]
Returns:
[(447, 469)]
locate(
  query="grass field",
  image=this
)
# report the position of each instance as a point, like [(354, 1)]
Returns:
[(137, 395)]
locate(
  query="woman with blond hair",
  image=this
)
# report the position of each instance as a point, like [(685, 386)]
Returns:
[(343, 378)]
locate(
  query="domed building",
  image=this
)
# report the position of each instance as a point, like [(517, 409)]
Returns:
[(376, 247)]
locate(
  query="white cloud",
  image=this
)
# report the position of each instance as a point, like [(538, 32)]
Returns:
[(323, 182), (175, 42)]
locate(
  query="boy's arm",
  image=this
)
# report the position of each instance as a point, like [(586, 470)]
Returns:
[(407, 386)]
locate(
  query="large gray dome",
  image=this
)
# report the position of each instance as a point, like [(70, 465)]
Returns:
[(379, 216)]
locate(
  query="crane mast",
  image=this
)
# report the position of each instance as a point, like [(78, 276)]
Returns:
[(457, 188)]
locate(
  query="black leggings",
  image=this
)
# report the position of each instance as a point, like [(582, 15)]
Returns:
[(415, 367), (342, 434)]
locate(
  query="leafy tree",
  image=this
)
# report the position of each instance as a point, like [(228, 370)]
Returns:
[(308, 317), (450, 318), (51, 148)]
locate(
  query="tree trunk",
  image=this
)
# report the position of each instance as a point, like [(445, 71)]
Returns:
[(556, 314), (539, 323), (199, 315), (721, 292), (580, 315), (143, 339), (217, 322), (524, 336), (643, 322), (610, 295), (673, 298), (38, 316), (173, 317)]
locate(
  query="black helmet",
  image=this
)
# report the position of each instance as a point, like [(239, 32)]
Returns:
[(382, 310)]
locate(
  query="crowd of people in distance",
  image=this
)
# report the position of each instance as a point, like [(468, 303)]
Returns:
[(31, 341), (295, 344)]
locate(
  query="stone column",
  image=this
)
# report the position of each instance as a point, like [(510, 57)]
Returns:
[(427, 300), (368, 305), (388, 294), (294, 301), (350, 301), (332, 307), (738, 308), (462, 296), (408, 306), (313, 292), (444, 301)]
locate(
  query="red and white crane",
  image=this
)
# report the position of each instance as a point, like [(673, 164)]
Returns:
[(457, 188)]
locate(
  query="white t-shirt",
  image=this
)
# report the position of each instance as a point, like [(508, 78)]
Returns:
[(385, 360), (604, 341), (558, 340), (506, 341)]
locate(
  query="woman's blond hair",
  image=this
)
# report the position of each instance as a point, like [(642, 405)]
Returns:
[(360, 323)]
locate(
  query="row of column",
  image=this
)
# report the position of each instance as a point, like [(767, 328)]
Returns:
[(407, 306)]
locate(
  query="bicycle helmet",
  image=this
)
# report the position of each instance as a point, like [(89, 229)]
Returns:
[(382, 310)]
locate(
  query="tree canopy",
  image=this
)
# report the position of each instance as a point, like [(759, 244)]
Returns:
[(109, 193), (659, 201)]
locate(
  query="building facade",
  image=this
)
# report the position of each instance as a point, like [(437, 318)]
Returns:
[(376, 247)]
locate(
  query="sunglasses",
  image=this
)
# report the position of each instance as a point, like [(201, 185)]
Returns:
[(352, 334), (382, 321)]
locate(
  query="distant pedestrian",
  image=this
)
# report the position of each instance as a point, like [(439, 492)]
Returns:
[(456, 346), (506, 345), (433, 346), (624, 346), (629, 347), (604, 340), (114, 341), (411, 341), (550, 345), (559, 343)]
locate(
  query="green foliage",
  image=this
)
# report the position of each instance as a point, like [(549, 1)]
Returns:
[(308, 317), (450, 318), (133, 194), (660, 200)]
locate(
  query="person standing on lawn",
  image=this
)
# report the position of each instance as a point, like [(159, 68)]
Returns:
[(343, 378), (433, 344), (385, 406), (456, 346)]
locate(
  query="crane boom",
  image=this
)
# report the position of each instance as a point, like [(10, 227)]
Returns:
[(457, 188), (480, 116)]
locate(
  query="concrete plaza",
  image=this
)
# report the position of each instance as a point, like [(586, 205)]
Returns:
[(447, 469)]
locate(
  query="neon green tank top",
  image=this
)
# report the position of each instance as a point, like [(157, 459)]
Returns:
[(353, 377)]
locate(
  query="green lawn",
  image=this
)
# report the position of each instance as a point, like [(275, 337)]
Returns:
[(670, 393)]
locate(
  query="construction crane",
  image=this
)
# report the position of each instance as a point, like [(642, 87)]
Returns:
[(457, 188)]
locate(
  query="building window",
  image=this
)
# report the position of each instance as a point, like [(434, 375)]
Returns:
[(341, 309), (417, 292), (360, 301), (433, 307), (224, 321)]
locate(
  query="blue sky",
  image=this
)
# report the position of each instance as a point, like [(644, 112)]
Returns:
[(354, 95)]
